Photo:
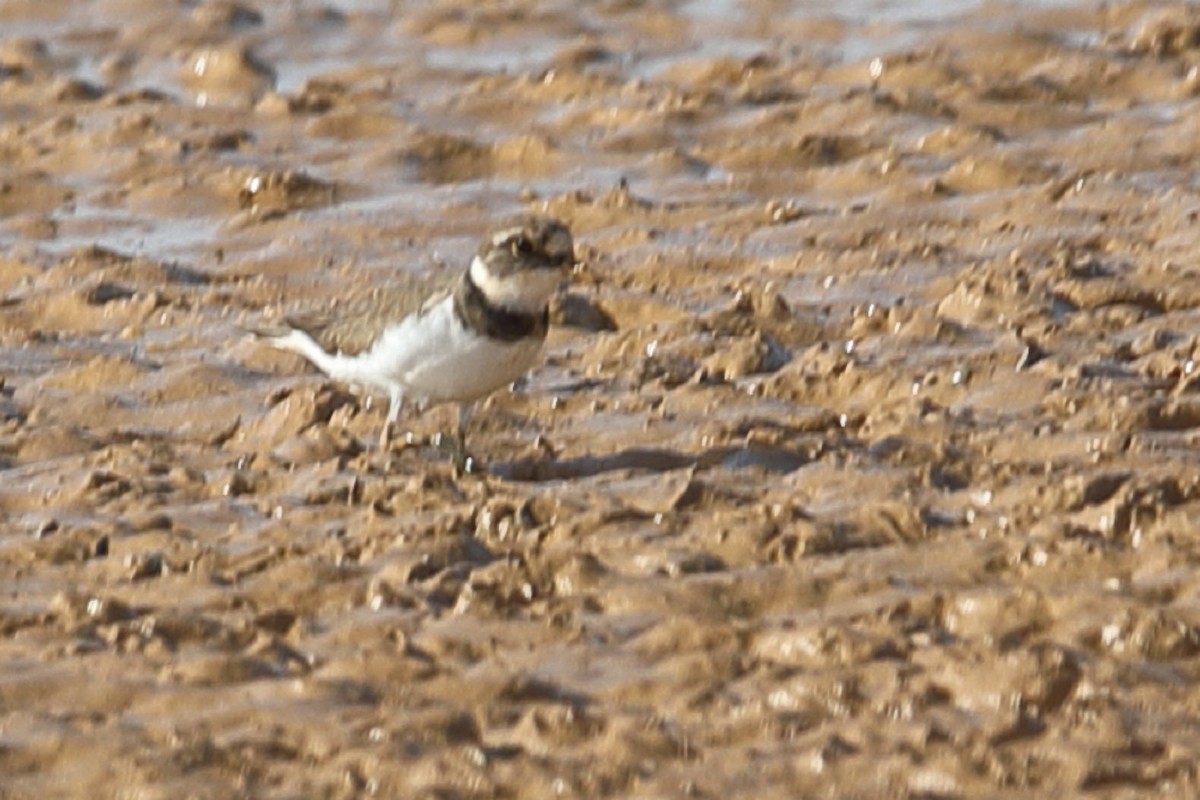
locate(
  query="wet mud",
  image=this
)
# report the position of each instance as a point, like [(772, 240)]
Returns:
[(862, 461)]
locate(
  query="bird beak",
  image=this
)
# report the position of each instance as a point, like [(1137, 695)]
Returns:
[(580, 271)]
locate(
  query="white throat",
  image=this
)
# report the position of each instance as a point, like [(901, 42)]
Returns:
[(525, 291)]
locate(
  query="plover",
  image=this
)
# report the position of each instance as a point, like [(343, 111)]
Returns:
[(482, 333)]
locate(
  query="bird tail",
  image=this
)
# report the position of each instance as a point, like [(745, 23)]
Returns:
[(283, 336), (266, 332)]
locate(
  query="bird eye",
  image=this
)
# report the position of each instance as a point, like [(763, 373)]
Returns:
[(522, 246)]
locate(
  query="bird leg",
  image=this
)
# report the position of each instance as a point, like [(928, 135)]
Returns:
[(395, 404), (463, 462)]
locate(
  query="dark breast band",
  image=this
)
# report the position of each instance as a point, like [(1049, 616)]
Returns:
[(494, 321)]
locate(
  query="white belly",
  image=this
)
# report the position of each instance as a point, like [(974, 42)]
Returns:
[(479, 368), (433, 359)]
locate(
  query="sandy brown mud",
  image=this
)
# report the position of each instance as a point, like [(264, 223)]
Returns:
[(863, 465)]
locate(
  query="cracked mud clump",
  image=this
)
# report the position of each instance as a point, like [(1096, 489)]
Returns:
[(861, 462)]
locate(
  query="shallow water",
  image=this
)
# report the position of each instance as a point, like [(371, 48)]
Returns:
[(861, 463)]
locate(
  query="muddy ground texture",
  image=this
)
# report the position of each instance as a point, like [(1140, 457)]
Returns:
[(863, 463)]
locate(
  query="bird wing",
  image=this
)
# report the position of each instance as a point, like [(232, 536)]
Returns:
[(352, 325)]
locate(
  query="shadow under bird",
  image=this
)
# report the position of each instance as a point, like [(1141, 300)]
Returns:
[(480, 334)]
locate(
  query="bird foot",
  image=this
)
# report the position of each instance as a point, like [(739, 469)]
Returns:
[(545, 447), (464, 463)]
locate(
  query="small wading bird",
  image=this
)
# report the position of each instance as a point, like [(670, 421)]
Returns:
[(482, 333)]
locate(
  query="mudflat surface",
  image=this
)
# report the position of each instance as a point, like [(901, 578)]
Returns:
[(863, 463)]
